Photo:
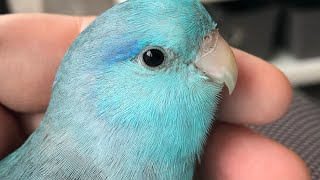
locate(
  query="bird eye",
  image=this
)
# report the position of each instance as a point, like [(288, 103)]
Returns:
[(153, 57)]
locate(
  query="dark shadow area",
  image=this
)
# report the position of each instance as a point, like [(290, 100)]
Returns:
[(4, 9), (264, 27)]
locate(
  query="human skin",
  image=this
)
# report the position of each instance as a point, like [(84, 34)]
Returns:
[(32, 47)]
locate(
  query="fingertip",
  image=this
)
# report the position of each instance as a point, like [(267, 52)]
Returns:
[(281, 94), (236, 153), (262, 94), (32, 65)]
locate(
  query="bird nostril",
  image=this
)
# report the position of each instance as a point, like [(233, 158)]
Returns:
[(209, 43), (206, 38)]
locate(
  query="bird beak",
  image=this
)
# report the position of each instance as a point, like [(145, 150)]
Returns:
[(217, 60)]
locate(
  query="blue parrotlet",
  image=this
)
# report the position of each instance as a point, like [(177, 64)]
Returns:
[(133, 99)]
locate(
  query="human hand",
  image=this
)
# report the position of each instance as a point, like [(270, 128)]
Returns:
[(32, 47)]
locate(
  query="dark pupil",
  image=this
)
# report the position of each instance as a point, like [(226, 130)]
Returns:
[(153, 57)]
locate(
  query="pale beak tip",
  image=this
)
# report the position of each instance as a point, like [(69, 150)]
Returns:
[(231, 86), (232, 73)]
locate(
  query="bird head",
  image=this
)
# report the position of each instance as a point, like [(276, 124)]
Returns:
[(152, 65)]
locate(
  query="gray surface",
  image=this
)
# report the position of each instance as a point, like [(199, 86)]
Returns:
[(77, 7), (300, 131)]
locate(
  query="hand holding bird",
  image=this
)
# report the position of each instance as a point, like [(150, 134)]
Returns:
[(231, 104)]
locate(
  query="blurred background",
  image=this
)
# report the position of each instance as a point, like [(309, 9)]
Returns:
[(284, 32)]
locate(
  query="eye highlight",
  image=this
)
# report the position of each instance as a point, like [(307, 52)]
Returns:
[(153, 57)]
